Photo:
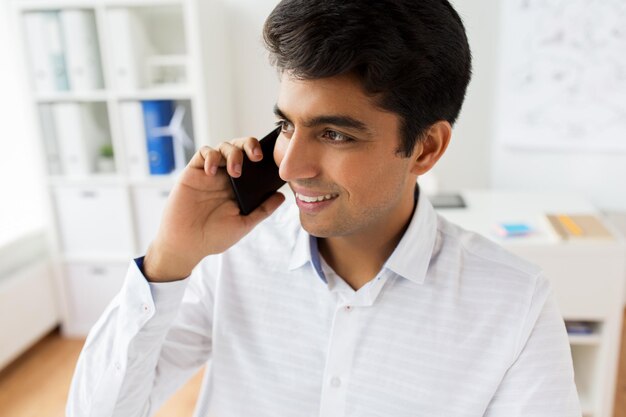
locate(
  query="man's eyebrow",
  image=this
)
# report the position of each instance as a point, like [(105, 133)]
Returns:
[(336, 120)]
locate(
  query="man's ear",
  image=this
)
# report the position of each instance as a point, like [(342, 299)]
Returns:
[(430, 147)]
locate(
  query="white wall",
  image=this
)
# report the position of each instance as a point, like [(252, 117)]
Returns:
[(21, 194), (255, 82), (466, 163)]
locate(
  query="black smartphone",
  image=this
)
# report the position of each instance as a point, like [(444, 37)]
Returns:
[(258, 180)]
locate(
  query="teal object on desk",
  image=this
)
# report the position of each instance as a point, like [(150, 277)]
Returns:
[(513, 229)]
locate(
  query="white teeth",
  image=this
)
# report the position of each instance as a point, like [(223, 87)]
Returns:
[(307, 199)]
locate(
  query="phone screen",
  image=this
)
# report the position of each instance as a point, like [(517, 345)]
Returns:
[(258, 180)]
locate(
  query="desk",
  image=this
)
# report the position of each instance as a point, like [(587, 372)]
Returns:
[(587, 277)]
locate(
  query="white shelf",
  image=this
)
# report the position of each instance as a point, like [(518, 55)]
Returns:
[(100, 221), (88, 180), (65, 96), (173, 93), (37, 5), (141, 3), (585, 340), (95, 258), (161, 180)]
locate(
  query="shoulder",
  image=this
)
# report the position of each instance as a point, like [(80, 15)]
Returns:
[(484, 272), (480, 253)]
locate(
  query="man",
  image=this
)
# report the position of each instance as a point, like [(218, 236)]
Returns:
[(357, 300)]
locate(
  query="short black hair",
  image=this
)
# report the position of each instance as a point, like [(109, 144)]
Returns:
[(411, 55)]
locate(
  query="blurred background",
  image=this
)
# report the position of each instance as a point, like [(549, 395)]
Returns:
[(102, 102)]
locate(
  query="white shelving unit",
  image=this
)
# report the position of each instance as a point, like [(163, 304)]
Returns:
[(100, 220), (587, 277)]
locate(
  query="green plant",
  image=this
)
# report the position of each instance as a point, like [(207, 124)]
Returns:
[(106, 150)]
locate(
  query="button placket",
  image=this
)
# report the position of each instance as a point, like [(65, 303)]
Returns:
[(338, 362)]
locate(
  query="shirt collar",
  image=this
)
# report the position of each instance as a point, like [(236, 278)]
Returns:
[(305, 250), (410, 259)]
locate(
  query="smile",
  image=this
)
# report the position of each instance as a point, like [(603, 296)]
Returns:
[(312, 199)]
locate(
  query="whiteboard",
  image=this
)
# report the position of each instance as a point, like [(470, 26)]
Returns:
[(561, 77)]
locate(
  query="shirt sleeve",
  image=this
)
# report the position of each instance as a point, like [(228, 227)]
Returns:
[(149, 341), (540, 382)]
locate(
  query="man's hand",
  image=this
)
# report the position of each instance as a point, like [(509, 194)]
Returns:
[(201, 216)]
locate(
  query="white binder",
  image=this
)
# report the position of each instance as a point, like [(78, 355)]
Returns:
[(45, 51), (76, 146), (128, 43), (48, 134), (134, 134), (82, 50)]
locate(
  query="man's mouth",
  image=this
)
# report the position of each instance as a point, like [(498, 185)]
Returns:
[(315, 199)]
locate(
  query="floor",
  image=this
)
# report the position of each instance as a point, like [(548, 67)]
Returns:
[(40, 378), (619, 409), (36, 384)]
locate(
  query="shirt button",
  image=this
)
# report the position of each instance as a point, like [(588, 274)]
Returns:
[(146, 308), (335, 382), (348, 308), (118, 367)]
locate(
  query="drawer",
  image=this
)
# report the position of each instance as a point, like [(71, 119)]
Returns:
[(89, 288), (148, 205), (94, 221)]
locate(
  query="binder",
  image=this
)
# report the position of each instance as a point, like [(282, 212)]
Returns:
[(134, 134), (45, 51), (82, 50), (157, 115), (53, 155), (76, 145), (129, 40)]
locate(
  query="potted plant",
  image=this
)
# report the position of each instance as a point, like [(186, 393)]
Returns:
[(105, 161)]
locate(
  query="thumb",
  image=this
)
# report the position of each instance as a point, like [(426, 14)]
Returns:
[(264, 210)]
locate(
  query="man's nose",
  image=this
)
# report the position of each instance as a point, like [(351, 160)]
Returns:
[(300, 160)]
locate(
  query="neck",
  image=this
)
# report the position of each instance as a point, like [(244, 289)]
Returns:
[(358, 258)]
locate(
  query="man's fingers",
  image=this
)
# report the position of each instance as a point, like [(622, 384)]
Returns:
[(251, 146), (234, 158), (264, 210), (229, 154)]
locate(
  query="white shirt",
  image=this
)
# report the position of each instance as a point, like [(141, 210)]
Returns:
[(453, 325)]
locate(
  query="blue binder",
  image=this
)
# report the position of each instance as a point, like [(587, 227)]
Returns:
[(158, 114)]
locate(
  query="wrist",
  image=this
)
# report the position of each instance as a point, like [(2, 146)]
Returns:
[(159, 265)]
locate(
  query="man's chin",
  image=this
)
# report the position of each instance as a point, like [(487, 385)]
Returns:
[(314, 228)]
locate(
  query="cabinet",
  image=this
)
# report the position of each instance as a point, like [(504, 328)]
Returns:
[(587, 277), (91, 65)]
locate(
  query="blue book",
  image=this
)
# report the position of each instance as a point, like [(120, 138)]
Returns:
[(157, 115)]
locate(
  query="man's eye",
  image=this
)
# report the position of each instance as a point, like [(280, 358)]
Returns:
[(334, 136), (285, 126)]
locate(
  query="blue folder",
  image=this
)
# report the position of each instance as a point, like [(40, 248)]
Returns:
[(158, 114)]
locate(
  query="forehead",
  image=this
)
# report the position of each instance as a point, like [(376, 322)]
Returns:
[(340, 95)]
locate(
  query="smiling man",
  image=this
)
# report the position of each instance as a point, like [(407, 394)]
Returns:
[(354, 298)]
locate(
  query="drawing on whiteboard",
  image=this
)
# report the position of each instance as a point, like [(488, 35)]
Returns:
[(562, 75)]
